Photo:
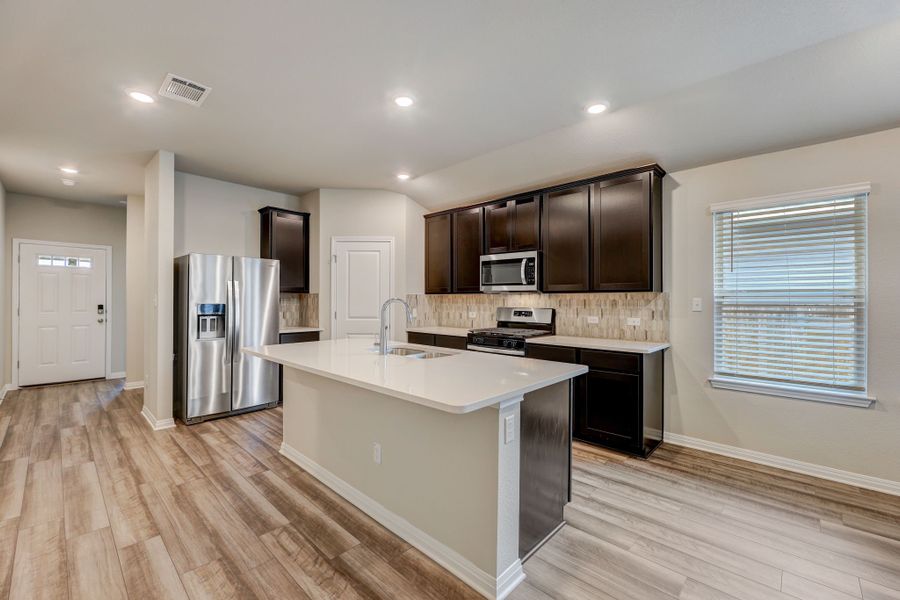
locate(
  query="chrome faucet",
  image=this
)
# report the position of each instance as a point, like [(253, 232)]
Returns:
[(385, 324)]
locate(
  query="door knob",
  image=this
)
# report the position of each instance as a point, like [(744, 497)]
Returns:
[(99, 320)]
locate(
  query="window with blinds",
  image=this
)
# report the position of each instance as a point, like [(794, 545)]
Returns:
[(790, 294)]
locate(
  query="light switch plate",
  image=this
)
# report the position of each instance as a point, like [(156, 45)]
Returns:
[(697, 304), (376, 453), (633, 321), (509, 435), (593, 320), (415, 313)]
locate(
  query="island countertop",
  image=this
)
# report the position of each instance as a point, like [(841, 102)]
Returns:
[(459, 383)]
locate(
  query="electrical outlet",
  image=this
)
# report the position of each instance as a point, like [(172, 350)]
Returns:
[(473, 314), (697, 304), (415, 313), (509, 434), (376, 453), (633, 321), (593, 320)]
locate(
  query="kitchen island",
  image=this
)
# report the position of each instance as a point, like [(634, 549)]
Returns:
[(433, 443)]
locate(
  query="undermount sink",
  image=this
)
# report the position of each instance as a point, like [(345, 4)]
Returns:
[(416, 353)]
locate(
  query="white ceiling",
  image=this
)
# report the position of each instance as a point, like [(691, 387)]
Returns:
[(301, 90)]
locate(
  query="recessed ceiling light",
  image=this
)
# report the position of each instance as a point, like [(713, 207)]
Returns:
[(404, 101), (596, 109), (69, 170), (68, 182), (141, 97), (402, 176)]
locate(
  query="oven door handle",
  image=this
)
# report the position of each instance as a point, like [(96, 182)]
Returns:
[(495, 350)]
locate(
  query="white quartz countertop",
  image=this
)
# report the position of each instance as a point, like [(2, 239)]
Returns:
[(460, 383), (571, 341), (588, 343), (457, 331), (298, 329)]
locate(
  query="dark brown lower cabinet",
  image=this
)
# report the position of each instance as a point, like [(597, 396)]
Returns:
[(292, 338), (618, 403), (456, 342)]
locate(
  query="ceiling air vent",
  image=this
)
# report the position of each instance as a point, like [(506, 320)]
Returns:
[(184, 90)]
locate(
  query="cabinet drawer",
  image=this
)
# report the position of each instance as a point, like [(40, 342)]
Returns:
[(293, 338), (611, 361), (555, 353), (426, 339), (450, 341)]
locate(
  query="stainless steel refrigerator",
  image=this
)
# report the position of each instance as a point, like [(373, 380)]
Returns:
[(223, 304)]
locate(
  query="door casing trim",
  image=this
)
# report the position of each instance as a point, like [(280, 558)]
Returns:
[(332, 318), (14, 300)]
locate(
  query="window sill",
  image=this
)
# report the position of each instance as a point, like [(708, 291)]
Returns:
[(801, 392)]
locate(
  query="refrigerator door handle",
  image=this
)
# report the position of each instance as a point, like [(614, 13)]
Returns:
[(229, 327), (236, 320)]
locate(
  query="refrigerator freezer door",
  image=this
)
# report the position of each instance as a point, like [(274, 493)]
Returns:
[(209, 357), (255, 323)]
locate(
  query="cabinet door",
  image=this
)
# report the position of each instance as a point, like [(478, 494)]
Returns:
[(608, 409), (284, 236), (620, 217), (566, 240), (438, 254), (526, 224), (497, 227), (467, 230)]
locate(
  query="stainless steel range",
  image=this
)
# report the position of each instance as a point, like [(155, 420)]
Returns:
[(514, 326)]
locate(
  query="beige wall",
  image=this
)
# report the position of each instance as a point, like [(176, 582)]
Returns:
[(134, 290), (159, 243), (864, 441), (345, 212), (218, 217), (5, 296), (463, 491), (38, 218)]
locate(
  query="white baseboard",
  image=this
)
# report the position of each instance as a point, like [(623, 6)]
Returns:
[(4, 389), (134, 385), (788, 464), (117, 375), (156, 424), (481, 581)]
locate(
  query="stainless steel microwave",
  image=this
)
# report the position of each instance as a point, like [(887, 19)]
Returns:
[(511, 272)]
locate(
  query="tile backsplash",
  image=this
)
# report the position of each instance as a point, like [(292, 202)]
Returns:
[(572, 312), (299, 310)]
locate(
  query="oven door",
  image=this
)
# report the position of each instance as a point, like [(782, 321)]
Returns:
[(511, 272)]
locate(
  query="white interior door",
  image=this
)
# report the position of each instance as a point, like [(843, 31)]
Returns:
[(361, 275), (62, 327)]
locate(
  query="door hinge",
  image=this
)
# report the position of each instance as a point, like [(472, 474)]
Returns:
[(334, 258), (335, 315)]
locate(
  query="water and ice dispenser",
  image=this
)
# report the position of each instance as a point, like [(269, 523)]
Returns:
[(210, 321)]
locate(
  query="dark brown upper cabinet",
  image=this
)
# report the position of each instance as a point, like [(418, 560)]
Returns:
[(467, 245), (625, 236), (513, 225), (601, 234), (438, 254), (567, 239), (284, 236)]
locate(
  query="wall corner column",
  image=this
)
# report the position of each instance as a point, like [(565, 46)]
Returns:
[(159, 272)]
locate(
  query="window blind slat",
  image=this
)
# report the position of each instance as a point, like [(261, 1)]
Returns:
[(790, 293)]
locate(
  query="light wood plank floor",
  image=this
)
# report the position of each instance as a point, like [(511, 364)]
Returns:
[(93, 504)]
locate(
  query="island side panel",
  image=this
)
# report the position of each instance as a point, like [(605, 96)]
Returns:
[(439, 471), (546, 452)]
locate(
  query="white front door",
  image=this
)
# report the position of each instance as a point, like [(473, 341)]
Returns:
[(361, 275), (62, 313)]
